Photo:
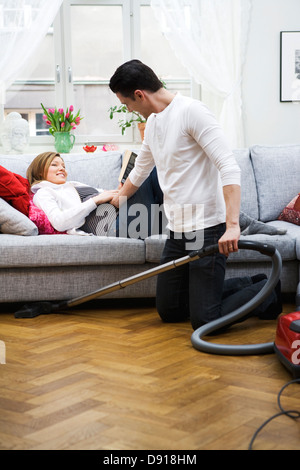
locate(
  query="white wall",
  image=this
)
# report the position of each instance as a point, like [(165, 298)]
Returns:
[(267, 120)]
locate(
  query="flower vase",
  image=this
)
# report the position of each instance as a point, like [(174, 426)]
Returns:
[(142, 126), (64, 141)]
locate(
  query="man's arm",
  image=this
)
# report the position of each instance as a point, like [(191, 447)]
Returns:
[(228, 243), (143, 166)]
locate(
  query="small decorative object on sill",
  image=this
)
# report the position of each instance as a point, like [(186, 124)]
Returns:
[(90, 148), (61, 123), (14, 134), (110, 148)]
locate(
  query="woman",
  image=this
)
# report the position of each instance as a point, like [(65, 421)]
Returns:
[(77, 208)]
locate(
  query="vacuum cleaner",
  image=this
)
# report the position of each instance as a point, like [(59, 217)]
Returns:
[(287, 342)]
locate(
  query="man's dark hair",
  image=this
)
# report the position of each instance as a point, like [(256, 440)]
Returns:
[(134, 75)]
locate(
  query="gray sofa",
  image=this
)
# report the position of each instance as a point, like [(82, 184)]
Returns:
[(60, 267)]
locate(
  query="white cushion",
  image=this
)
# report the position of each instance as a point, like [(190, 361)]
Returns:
[(14, 222)]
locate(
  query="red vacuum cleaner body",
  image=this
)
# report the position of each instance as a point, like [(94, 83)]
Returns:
[(287, 342)]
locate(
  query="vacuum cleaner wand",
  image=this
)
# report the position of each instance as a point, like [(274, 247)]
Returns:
[(43, 308), (40, 308)]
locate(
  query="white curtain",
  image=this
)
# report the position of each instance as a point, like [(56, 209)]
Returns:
[(210, 39), (23, 25)]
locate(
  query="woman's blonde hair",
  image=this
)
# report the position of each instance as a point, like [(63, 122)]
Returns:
[(38, 168)]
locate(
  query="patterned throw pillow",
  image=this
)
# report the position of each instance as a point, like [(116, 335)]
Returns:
[(291, 213), (39, 218)]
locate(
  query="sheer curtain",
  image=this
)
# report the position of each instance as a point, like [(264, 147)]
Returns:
[(23, 24), (210, 39)]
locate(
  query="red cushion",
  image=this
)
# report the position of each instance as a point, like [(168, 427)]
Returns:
[(15, 190), (40, 219), (291, 213)]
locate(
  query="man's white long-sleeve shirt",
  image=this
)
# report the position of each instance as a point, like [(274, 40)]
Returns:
[(193, 162)]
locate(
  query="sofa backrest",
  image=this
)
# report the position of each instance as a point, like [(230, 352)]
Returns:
[(100, 170), (270, 175), (277, 176)]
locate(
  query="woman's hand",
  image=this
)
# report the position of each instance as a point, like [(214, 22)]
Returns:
[(105, 196)]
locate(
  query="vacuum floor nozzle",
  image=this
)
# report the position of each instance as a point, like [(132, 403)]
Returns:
[(39, 308)]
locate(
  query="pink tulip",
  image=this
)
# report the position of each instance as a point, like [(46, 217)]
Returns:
[(71, 108), (51, 111), (74, 127), (48, 122), (77, 120), (63, 124), (45, 117), (60, 110), (67, 115)]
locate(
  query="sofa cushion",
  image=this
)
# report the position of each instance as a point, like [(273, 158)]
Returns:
[(100, 169), (154, 247), (298, 252), (14, 222), (276, 171), (248, 186), (69, 250), (285, 244), (16, 163)]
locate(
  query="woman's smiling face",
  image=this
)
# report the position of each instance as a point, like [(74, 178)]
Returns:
[(57, 173)]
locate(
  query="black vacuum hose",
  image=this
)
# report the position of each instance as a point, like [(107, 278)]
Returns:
[(248, 349)]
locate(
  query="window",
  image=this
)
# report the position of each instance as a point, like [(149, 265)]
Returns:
[(36, 84), (96, 51), (86, 43), (165, 63)]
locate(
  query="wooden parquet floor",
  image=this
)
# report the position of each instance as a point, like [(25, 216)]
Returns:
[(114, 377)]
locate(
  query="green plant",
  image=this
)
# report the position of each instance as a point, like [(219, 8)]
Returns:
[(135, 117), (127, 121)]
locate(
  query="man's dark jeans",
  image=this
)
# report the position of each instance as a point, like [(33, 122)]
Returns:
[(197, 290)]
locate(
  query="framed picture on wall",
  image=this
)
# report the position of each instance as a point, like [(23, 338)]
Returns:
[(289, 66)]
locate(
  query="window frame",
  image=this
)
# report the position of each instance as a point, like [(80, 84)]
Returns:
[(131, 49), (63, 79)]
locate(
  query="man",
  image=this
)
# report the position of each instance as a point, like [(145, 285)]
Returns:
[(195, 168)]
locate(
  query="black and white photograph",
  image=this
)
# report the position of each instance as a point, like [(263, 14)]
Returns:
[(289, 66)]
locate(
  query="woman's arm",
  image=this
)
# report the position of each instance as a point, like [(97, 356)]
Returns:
[(105, 196)]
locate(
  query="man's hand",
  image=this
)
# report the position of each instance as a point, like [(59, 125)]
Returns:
[(228, 243), (125, 191), (115, 201)]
